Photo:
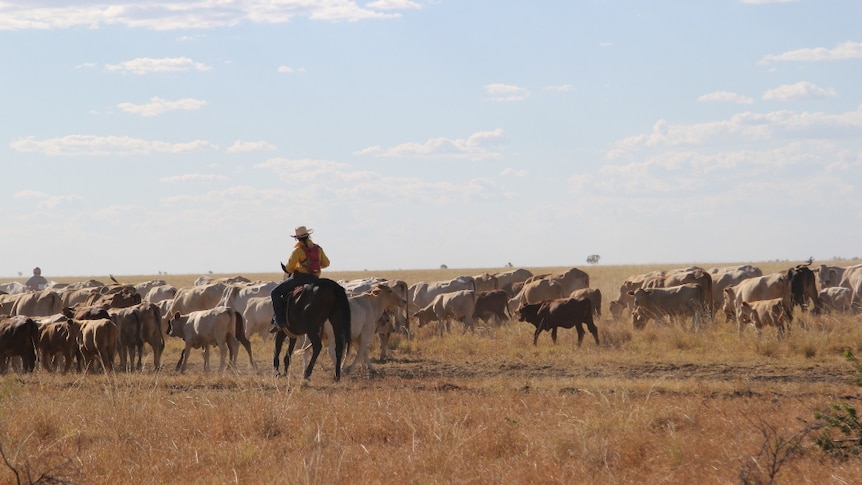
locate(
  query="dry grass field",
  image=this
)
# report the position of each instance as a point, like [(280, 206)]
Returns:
[(661, 405)]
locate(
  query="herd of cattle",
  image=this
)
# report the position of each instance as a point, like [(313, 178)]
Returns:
[(94, 325)]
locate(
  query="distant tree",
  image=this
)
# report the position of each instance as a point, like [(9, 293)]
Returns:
[(508, 265), (443, 266), (593, 259)]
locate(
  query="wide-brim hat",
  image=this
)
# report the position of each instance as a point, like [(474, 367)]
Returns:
[(301, 231)]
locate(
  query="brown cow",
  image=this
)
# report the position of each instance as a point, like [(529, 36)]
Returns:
[(203, 328), (492, 305), (131, 340), (767, 287), (99, 343), (18, 336), (60, 337), (564, 312), (592, 294)]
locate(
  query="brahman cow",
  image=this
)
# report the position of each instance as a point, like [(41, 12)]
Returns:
[(366, 310), (237, 297), (507, 279), (99, 339), (592, 294), (458, 305), (560, 313), (729, 276), (836, 298), (160, 293), (803, 288), (207, 280), (38, 304), (18, 337), (420, 295), (60, 338), (492, 305), (486, 282), (693, 274), (625, 301), (767, 287), (258, 316), (197, 298), (764, 312), (689, 299), (203, 328)]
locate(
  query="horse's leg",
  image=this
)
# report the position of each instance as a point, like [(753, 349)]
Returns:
[(291, 343), (279, 340), (316, 346)]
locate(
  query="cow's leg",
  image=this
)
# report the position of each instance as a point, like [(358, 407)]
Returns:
[(591, 326), (536, 334), (140, 365), (384, 344), (223, 355), (180, 362), (554, 336), (233, 349), (581, 332), (46, 362), (206, 357), (316, 345)]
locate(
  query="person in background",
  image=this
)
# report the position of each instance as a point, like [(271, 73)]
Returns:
[(304, 265), (37, 281)]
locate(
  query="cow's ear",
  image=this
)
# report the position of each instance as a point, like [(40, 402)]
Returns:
[(176, 315), (745, 304)]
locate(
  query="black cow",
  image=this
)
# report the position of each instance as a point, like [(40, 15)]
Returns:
[(18, 337), (563, 312), (803, 287)]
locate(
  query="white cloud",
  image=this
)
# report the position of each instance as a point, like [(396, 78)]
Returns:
[(196, 178), (184, 14), (478, 146), (725, 96), (506, 92), (800, 90), (285, 70), (847, 50), (250, 146), (158, 106), (30, 194), (78, 145), (146, 65), (393, 5), (561, 88), (742, 129)]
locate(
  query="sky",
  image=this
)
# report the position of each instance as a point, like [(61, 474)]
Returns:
[(189, 136)]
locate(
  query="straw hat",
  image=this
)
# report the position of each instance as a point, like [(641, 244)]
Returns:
[(301, 232)]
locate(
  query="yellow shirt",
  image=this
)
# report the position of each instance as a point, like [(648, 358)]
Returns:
[(298, 261)]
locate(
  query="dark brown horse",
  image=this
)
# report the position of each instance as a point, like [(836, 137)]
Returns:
[(319, 301)]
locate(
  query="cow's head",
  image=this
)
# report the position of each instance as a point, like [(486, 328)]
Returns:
[(425, 315), (639, 318), (616, 308), (640, 295), (176, 325)]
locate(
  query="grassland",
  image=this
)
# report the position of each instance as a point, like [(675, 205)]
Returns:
[(662, 405)]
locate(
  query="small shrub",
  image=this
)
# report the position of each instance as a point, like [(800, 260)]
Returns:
[(841, 417)]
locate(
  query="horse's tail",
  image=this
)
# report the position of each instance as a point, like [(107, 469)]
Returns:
[(342, 304)]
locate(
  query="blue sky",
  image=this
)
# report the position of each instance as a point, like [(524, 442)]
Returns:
[(193, 136)]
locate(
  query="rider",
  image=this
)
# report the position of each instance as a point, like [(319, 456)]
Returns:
[(37, 281), (303, 266)]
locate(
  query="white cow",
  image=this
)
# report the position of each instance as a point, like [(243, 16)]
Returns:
[(765, 312), (160, 293), (237, 296), (258, 316), (200, 329), (729, 276), (836, 298), (421, 294), (767, 287), (366, 310), (458, 305)]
